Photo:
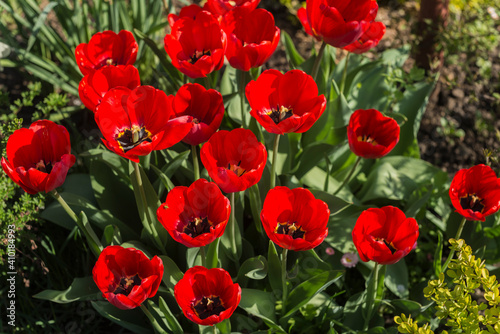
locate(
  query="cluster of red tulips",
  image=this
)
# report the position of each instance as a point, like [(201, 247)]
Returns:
[(135, 120)]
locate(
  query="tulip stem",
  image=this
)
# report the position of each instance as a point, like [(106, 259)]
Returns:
[(92, 239), (215, 329), (203, 256), (348, 176), (284, 254), (149, 225), (196, 164), (344, 74), (457, 236), (371, 295), (317, 62), (152, 320), (273, 166), (208, 85), (241, 91)]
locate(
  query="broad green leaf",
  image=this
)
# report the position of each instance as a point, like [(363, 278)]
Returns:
[(254, 268), (111, 235), (213, 254), (80, 289), (260, 304), (292, 55), (172, 274), (396, 279), (406, 306), (353, 311), (132, 320), (302, 293), (274, 270), (172, 322)]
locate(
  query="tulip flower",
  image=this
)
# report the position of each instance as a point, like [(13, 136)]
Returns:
[(207, 296), (221, 7), (384, 235), (95, 85), (294, 219), (475, 192), (126, 277), (369, 39), (39, 158), (195, 215), (252, 37), (196, 46), (235, 160), (205, 106), (284, 103), (370, 134), (136, 122), (106, 48), (186, 11), (337, 23)]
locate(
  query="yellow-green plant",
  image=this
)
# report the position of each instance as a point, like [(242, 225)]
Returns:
[(454, 298)]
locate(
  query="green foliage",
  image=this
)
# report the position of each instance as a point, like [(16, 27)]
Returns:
[(454, 300)]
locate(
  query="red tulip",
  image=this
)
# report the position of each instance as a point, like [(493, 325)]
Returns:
[(370, 38), (196, 46), (221, 7), (136, 122), (294, 219), (195, 216), (39, 157), (475, 192), (234, 159), (384, 235), (205, 106), (337, 22), (252, 37), (284, 103), (186, 11), (207, 296), (106, 48), (126, 277), (95, 85), (370, 134)]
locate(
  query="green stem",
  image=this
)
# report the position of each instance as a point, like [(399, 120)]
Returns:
[(208, 85), (370, 295), (149, 225), (241, 91), (203, 256), (348, 176), (152, 319), (196, 164), (232, 224), (284, 254), (457, 236), (317, 62), (344, 74), (92, 240), (215, 329), (273, 166)]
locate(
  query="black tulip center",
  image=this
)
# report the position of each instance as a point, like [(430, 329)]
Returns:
[(292, 230), (280, 114), (198, 54), (130, 138), (473, 202), (127, 284), (45, 167), (208, 306), (197, 226)]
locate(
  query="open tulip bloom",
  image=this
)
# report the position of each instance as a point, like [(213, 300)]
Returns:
[(96, 84), (195, 215), (370, 134), (126, 277), (136, 122), (475, 192), (284, 103), (235, 159), (221, 7), (294, 219), (39, 158), (384, 235), (207, 296), (106, 48)]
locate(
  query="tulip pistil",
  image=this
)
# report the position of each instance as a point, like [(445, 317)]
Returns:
[(472, 202), (130, 138), (280, 114), (292, 230), (197, 226), (110, 62), (368, 139), (236, 169), (45, 167), (127, 284), (389, 245), (208, 306)]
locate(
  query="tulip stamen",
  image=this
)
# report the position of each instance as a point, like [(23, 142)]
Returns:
[(127, 284), (110, 62), (236, 169), (472, 202), (292, 230), (389, 245), (232, 3), (197, 226), (198, 54), (368, 139), (45, 167), (208, 306), (280, 113), (130, 138)]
